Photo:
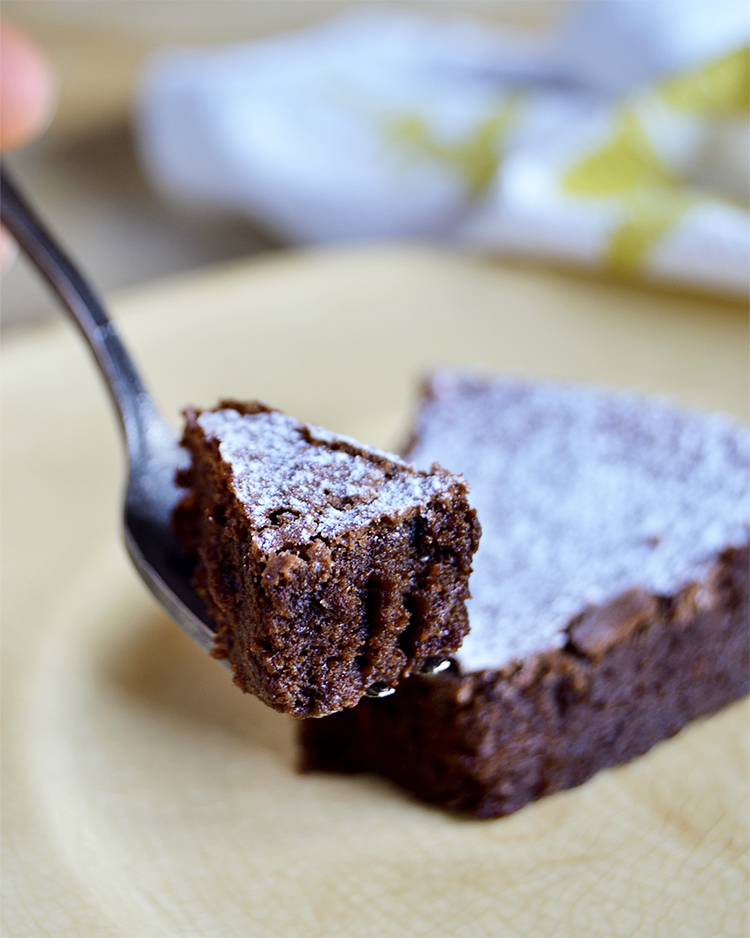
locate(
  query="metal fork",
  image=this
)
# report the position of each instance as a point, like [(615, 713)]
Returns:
[(152, 449)]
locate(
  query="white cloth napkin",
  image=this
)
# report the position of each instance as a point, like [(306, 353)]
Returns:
[(619, 139)]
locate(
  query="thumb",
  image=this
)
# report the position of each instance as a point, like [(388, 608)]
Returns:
[(27, 89)]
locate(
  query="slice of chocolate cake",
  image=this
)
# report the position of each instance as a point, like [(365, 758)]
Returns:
[(331, 569), (609, 596)]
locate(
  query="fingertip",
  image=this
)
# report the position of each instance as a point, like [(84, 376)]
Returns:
[(8, 250), (28, 88)]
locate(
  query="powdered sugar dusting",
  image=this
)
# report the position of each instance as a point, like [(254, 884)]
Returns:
[(297, 482), (582, 493)]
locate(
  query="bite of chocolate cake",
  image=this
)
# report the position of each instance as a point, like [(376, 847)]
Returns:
[(331, 569)]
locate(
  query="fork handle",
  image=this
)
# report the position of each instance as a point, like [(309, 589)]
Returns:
[(136, 410)]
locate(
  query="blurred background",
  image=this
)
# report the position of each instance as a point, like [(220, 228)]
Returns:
[(88, 178), (84, 173)]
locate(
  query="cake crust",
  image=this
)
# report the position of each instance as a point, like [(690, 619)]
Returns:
[(327, 566), (489, 742)]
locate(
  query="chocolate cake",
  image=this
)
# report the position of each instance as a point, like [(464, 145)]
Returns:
[(609, 596), (331, 569)]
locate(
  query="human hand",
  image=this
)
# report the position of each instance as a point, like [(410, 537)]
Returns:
[(28, 91)]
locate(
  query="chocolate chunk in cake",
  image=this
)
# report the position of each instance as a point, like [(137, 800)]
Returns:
[(329, 567), (609, 596)]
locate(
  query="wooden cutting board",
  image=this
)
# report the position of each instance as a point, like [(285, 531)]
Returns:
[(145, 796)]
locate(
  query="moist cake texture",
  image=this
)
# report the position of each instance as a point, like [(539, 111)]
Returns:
[(609, 595), (329, 567)]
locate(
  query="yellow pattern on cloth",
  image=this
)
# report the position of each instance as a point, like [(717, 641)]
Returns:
[(626, 162), (474, 159), (650, 197), (719, 89), (647, 215)]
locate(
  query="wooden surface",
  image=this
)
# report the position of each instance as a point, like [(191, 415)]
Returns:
[(145, 796)]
